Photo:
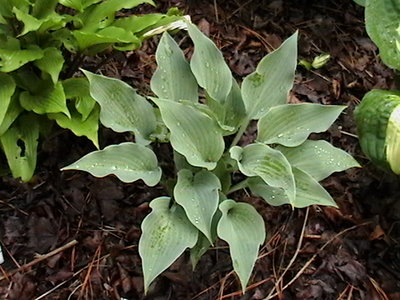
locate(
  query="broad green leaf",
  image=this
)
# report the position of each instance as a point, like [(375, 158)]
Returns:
[(79, 89), (50, 100), (29, 21), (318, 158), (172, 68), (87, 127), (122, 109), (270, 83), (269, 164), (393, 140), (79, 5), (11, 59), (194, 134), (13, 111), (308, 192), (198, 194), (19, 143), (166, 233), (291, 124), (208, 66), (243, 229), (101, 15), (231, 113), (108, 35), (136, 24), (7, 88), (360, 2), (382, 21), (43, 8), (127, 161), (51, 63)]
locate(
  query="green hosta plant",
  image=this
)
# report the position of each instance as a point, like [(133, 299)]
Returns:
[(281, 165), (378, 117), (42, 43)]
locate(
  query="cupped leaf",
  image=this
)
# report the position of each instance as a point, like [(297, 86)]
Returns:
[(270, 83), (19, 143), (208, 66), (128, 161), (231, 113), (122, 109), (194, 134), (308, 192), (382, 21), (393, 141), (11, 114), (166, 233), (50, 100), (244, 230), (291, 124), (87, 127), (51, 63), (173, 69), (318, 158), (267, 163), (79, 90), (7, 89), (12, 59), (198, 194)]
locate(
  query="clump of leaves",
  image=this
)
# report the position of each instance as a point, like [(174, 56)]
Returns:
[(281, 166), (42, 43)]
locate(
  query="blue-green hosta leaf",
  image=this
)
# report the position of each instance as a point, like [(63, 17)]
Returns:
[(12, 59), (267, 163), (198, 194), (308, 192), (51, 63), (127, 161), (79, 89), (194, 134), (243, 229), (7, 88), (19, 143), (291, 124), (318, 158), (12, 112), (382, 21), (108, 35), (229, 114), (87, 127), (173, 69), (166, 233), (50, 100), (208, 66), (102, 15), (122, 109), (270, 83)]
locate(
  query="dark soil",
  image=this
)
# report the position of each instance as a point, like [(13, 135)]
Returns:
[(315, 253)]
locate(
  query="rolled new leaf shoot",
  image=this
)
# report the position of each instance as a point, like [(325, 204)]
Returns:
[(127, 161)]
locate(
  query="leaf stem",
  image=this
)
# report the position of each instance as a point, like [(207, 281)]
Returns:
[(239, 134), (239, 186)]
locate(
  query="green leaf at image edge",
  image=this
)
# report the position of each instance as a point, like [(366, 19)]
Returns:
[(243, 229), (166, 233)]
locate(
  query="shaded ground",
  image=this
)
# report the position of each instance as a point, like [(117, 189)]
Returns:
[(316, 253)]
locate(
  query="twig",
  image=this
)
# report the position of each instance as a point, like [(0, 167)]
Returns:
[(301, 271), (299, 244), (40, 259)]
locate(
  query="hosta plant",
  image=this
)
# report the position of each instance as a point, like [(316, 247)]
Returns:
[(202, 111), (42, 44), (378, 115)]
